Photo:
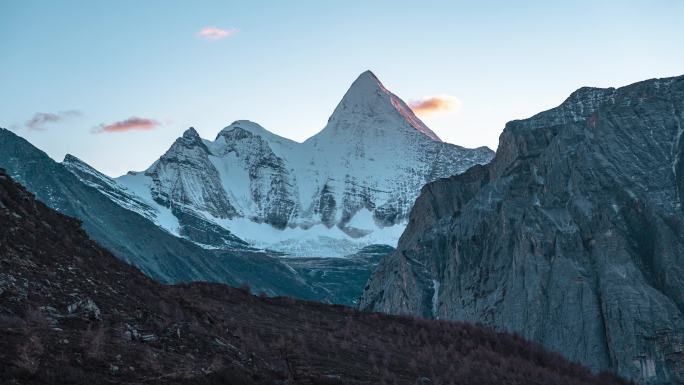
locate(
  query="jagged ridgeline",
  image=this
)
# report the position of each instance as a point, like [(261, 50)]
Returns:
[(572, 236)]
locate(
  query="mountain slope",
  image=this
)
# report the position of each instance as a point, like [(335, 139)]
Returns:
[(71, 313), (174, 220), (572, 236), (348, 186)]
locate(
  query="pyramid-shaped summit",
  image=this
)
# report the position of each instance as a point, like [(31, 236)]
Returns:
[(190, 133), (368, 102)]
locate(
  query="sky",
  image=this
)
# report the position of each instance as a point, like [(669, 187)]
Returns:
[(116, 82)]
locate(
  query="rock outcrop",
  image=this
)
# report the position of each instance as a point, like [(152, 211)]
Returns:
[(572, 236)]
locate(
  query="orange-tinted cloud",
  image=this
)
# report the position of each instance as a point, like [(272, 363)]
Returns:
[(436, 104), (132, 123), (214, 33), (40, 119)]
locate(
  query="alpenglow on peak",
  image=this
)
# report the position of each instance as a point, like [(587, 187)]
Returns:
[(367, 100)]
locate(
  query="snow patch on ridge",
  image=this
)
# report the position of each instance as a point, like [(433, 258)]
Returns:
[(140, 185)]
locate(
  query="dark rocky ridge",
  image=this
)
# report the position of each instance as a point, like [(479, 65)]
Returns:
[(72, 313), (573, 235)]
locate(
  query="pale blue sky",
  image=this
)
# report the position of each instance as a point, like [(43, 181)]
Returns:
[(291, 62)]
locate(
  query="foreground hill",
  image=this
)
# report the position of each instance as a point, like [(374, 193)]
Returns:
[(72, 313), (573, 235)]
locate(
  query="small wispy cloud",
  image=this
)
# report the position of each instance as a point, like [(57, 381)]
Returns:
[(130, 124), (435, 104), (215, 33), (40, 120)]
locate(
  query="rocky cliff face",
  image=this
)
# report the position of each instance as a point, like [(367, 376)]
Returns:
[(572, 236), (184, 176), (350, 185)]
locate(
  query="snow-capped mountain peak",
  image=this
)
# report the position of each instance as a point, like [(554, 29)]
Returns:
[(350, 185), (277, 142), (368, 101), (190, 133)]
